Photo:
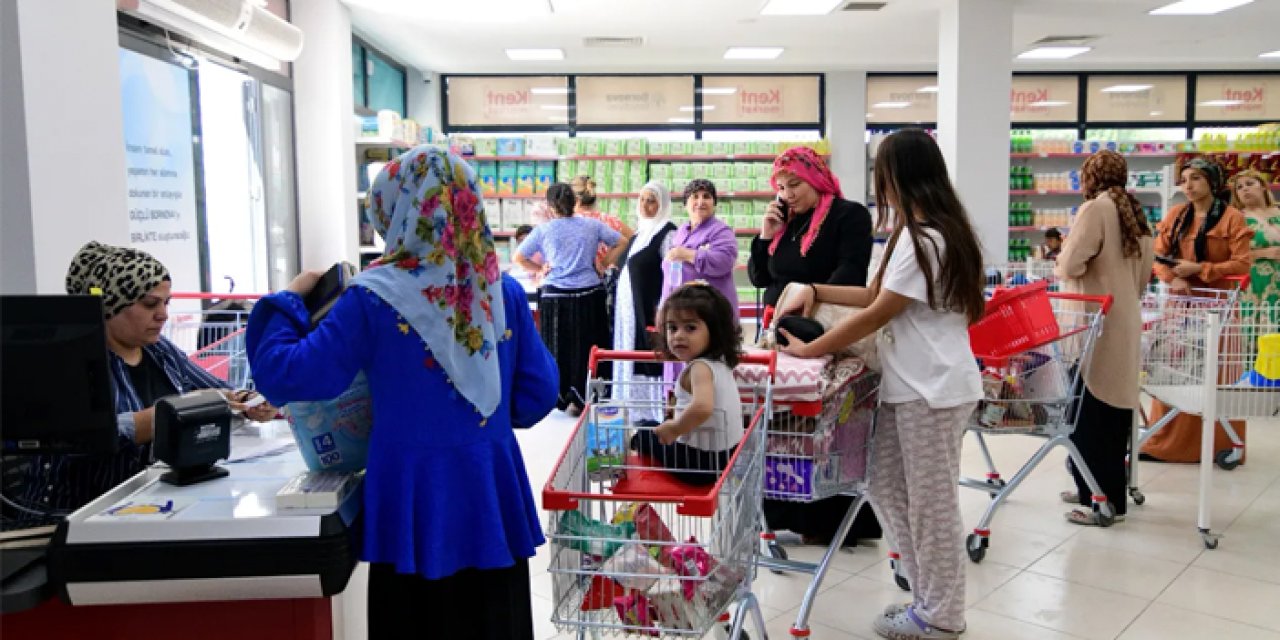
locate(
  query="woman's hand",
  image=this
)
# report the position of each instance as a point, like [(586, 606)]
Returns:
[(1180, 287), (772, 222), (799, 302), (794, 346), (1267, 253), (305, 282), (238, 401), (1186, 268), (682, 254), (667, 432)]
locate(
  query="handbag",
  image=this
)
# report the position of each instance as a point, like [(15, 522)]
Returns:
[(827, 315)]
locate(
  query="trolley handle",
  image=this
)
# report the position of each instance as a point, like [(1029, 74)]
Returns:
[(768, 359), (1241, 281), (1103, 301)]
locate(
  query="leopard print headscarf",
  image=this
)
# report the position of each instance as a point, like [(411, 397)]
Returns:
[(1107, 172), (123, 275)]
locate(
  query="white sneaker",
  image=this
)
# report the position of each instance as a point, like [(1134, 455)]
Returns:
[(906, 625)]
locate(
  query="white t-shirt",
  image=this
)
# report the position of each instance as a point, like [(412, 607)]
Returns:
[(925, 353), (724, 429)]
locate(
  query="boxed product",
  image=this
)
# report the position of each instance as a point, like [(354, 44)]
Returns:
[(634, 184), (584, 168), (544, 174), (613, 147), (590, 147), (744, 170), (564, 170), (721, 148), (742, 210), (721, 170), (487, 175), (659, 148), (462, 145), (506, 178), (512, 213), (540, 146), (744, 184), (741, 148), (524, 178), (510, 146), (566, 146), (700, 170), (764, 148), (682, 171), (604, 183), (761, 184), (637, 147), (601, 168), (699, 147), (530, 207), (486, 147), (660, 171), (681, 148), (762, 170)]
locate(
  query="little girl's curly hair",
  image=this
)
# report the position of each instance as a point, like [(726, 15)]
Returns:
[(710, 306)]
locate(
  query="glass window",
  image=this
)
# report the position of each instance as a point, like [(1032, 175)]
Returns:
[(386, 85), (357, 72)]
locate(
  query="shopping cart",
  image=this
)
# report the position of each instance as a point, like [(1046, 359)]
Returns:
[(1202, 358), (209, 328), (1033, 347), (1014, 274), (635, 552), (1162, 314), (818, 446)]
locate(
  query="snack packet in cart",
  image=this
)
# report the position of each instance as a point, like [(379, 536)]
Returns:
[(635, 611), (651, 529), (630, 562), (606, 441)]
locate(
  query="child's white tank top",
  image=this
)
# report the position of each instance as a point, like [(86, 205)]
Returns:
[(724, 428)]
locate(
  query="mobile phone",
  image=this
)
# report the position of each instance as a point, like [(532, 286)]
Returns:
[(327, 290), (1167, 261), (783, 209)]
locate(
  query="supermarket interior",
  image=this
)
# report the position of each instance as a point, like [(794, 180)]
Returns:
[(211, 151)]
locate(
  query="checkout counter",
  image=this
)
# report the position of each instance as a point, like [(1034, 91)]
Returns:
[(210, 560)]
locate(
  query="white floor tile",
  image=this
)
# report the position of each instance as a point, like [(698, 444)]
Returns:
[(1075, 609), (1236, 598), (1162, 621), (1107, 568), (984, 625)]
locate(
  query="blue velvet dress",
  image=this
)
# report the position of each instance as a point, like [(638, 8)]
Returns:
[(444, 490)]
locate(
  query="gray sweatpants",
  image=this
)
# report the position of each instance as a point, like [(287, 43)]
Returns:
[(914, 475)]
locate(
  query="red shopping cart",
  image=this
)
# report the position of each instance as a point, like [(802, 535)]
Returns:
[(209, 328)]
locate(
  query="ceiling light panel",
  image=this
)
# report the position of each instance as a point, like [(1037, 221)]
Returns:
[(752, 53), (1052, 53), (1198, 7), (799, 7)]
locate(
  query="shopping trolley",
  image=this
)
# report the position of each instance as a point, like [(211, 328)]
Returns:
[(213, 336), (1202, 358), (1033, 347), (1161, 312), (634, 552), (818, 446), (1015, 274)]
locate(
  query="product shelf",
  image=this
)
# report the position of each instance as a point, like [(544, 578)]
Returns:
[(1070, 192), (744, 157), (1049, 154)]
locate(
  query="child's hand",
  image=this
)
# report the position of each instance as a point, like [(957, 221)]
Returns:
[(666, 432)]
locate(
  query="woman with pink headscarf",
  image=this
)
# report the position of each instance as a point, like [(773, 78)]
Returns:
[(811, 234)]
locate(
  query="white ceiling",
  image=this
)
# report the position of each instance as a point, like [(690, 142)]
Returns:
[(468, 36)]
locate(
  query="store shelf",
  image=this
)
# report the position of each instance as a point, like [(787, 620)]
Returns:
[(383, 142), (615, 196), (746, 232), (1032, 228), (745, 157), (1043, 154), (1058, 192)]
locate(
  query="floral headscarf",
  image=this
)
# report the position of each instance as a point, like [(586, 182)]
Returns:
[(439, 270), (806, 164), (1107, 173)]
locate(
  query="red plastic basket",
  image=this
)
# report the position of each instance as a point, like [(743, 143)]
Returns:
[(1015, 320)]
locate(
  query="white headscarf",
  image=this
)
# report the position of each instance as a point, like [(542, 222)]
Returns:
[(646, 228)]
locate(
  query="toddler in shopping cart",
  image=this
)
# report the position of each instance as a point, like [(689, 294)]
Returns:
[(698, 326)]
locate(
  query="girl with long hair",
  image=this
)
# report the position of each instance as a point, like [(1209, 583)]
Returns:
[(926, 293)]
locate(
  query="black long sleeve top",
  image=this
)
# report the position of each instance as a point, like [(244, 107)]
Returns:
[(839, 255)]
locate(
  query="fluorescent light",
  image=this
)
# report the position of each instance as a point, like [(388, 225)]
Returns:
[(1048, 103), (535, 54), (1197, 7), (1221, 103), (799, 7), (549, 91), (1270, 54), (708, 107), (891, 105), (752, 53), (933, 88), (680, 120), (1156, 113), (1052, 53), (718, 91), (1126, 88)]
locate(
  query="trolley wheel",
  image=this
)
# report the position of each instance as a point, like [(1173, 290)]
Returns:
[(728, 628), (976, 545), (902, 582), (777, 551), (1227, 459), (1210, 542), (1139, 498)]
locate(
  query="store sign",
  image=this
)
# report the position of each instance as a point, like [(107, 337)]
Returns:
[(1137, 99), (1044, 98), (508, 100), (761, 99), (902, 99), (660, 100), (1254, 97)]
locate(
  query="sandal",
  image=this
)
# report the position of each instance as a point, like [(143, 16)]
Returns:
[(1070, 497), (1088, 518)]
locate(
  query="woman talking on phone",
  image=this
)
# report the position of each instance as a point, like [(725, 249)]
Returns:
[(811, 234)]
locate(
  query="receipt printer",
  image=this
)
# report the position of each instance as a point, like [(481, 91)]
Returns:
[(192, 432)]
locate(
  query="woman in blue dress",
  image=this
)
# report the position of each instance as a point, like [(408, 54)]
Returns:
[(454, 363)]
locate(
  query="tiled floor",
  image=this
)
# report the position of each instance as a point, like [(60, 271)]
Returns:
[(1147, 578)]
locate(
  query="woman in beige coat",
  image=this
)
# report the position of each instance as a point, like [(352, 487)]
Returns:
[(1108, 252)]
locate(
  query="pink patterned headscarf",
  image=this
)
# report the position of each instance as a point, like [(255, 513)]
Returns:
[(807, 165)]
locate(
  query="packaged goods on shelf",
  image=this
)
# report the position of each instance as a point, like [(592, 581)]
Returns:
[(591, 147), (637, 147), (743, 170), (742, 148), (544, 176), (659, 148), (464, 145), (487, 174), (613, 147), (506, 178), (524, 178), (510, 147), (721, 170), (584, 168), (564, 170), (660, 171), (541, 146)]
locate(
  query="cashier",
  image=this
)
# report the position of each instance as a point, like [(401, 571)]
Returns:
[(145, 367)]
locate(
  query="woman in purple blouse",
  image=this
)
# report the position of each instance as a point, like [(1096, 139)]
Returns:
[(704, 248)]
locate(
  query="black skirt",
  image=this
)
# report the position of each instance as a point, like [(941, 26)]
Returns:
[(572, 321), (491, 604)]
